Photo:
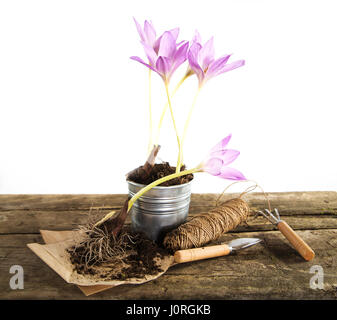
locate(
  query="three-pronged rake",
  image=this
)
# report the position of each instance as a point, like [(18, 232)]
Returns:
[(302, 247)]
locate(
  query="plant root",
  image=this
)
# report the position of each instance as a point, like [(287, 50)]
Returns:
[(102, 254)]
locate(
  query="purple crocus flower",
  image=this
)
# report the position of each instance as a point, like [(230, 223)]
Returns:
[(165, 55), (149, 40), (218, 159), (202, 61), (147, 33)]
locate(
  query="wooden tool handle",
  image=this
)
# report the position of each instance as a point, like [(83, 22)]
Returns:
[(201, 253), (303, 249)]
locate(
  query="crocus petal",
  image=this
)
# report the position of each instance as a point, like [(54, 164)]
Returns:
[(150, 33), (220, 146), (144, 63), (231, 174), (213, 166), (150, 53), (219, 158), (231, 66), (193, 54), (157, 44), (227, 155), (197, 37), (163, 67), (167, 46), (175, 33), (216, 66), (140, 30), (179, 57), (206, 54)]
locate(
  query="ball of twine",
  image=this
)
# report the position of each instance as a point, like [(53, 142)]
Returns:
[(209, 226)]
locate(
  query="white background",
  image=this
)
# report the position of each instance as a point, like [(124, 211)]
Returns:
[(73, 106)]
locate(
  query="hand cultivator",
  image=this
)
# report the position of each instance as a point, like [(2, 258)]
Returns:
[(302, 247)]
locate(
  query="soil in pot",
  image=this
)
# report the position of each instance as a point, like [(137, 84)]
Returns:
[(158, 171)]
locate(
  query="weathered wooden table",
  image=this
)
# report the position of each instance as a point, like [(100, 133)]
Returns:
[(271, 270)]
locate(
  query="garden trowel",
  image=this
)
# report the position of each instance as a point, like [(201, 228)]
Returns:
[(188, 255)]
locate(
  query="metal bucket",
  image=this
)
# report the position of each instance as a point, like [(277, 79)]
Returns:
[(159, 210)]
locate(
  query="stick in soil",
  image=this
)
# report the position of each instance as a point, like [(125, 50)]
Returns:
[(145, 170)]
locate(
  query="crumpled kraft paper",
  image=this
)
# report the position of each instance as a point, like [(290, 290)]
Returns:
[(54, 254)]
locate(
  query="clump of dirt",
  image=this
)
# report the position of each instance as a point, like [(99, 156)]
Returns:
[(158, 171), (130, 255), (144, 261)]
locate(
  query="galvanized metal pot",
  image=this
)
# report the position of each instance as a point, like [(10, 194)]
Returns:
[(159, 210)]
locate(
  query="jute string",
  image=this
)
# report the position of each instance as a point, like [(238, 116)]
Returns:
[(210, 226)]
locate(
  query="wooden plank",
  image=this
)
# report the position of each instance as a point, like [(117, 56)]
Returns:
[(60, 202), (30, 213), (271, 270), (320, 202), (31, 221)]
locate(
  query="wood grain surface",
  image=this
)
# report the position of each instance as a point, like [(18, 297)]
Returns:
[(270, 270)]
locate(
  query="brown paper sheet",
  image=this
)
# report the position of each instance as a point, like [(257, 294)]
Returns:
[(54, 254)]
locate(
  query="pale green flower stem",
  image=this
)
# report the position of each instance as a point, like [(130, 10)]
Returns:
[(150, 146), (187, 123), (174, 123), (167, 105)]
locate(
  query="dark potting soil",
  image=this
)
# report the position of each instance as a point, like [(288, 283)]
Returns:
[(143, 261), (140, 257), (159, 170)]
